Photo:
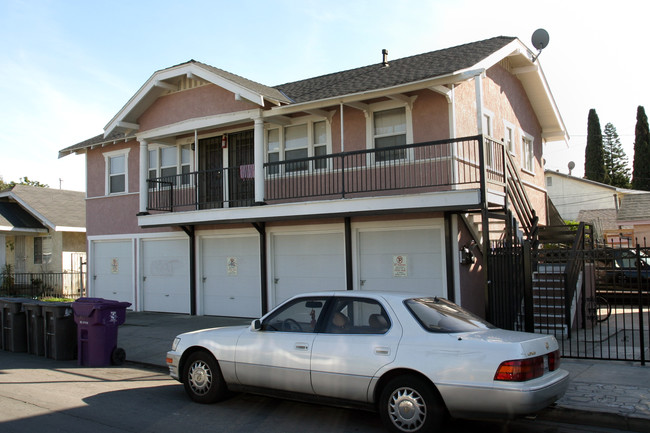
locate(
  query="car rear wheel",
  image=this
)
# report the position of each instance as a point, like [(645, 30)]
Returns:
[(409, 404), (203, 380)]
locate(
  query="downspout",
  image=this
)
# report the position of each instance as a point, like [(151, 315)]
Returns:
[(189, 230), (144, 170)]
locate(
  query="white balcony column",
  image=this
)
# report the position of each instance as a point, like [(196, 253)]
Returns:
[(259, 159), (144, 171)]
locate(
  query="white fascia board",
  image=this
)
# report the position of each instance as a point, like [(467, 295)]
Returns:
[(70, 229), (12, 229), (416, 202), (186, 69), (199, 123)]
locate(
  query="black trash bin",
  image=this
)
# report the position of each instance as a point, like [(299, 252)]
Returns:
[(14, 334), (97, 322), (35, 327), (60, 331)]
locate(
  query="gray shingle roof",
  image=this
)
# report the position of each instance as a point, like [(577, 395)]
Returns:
[(634, 207), (62, 208), (401, 71)]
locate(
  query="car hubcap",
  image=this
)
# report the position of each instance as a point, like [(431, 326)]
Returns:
[(407, 409), (200, 377)]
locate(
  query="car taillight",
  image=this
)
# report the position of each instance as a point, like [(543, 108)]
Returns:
[(520, 370), (554, 360)]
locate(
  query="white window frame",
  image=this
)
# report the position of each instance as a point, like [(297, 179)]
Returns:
[(488, 131), (509, 143), (157, 149), (311, 145), (385, 106), (525, 137), (107, 169)]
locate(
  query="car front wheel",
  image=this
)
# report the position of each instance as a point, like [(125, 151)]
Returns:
[(408, 404), (203, 380)]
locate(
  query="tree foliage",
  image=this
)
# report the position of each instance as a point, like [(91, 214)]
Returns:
[(615, 158), (594, 158), (641, 164), (23, 181)]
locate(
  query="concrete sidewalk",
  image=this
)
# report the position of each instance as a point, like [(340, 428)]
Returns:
[(611, 393)]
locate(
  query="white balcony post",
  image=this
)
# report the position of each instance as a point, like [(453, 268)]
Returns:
[(144, 171), (259, 159)]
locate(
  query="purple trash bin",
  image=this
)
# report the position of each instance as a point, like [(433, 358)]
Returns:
[(97, 321)]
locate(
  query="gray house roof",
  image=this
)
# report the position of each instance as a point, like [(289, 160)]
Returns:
[(635, 207), (401, 71), (29, 207)]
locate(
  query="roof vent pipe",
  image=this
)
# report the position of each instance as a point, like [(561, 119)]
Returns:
[(384, 54)]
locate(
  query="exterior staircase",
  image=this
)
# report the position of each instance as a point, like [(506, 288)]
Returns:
[(549, 300)]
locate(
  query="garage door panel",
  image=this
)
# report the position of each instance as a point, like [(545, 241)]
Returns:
[(423, 264), (113, 271), (231, 276), (307, 262), (166, 276)]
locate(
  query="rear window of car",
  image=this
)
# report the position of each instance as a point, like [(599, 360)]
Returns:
[(440, 315)]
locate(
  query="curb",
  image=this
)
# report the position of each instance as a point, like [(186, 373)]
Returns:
[(596, 419)]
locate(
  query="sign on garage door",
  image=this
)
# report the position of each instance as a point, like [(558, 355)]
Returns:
[(402, 260), (166, 276), (113, 271), (307, 262), (230, 270)]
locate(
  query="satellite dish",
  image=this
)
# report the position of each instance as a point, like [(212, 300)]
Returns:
[(572, 165), (540, 39)]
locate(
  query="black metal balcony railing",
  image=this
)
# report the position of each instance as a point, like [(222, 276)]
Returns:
[(421, 167)]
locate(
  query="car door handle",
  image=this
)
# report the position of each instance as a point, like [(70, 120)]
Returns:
[(384, 351), (302, 346)]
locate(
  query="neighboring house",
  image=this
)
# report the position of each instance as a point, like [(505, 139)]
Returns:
[(634, 214), (211, 194), (42, 230), (571, 194)]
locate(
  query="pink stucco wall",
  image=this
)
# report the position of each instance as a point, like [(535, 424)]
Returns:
[(199, 102)]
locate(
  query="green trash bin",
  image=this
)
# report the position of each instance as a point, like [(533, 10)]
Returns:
[(14, 334), (60, 331), (35, 327)]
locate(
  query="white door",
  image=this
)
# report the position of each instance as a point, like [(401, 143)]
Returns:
[(166, 275), (230, 270), (112, 265), (410, 260), (306, 263)]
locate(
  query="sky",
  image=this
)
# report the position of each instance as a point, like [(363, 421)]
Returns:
[(68, 66)]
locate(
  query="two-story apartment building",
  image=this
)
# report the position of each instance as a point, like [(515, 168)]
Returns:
[(212, 194)]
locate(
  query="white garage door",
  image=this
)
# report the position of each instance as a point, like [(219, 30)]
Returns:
[(307, 262), (403, 260), (231, 276), (113, 271), (166, 276)]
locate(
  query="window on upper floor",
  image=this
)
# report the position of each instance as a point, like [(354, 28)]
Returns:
[(527, 153), (389, 129), (509, 136), (169, 161), (117, 171), (296, 142)]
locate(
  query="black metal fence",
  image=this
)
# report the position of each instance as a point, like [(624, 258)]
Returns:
[(43, 285), (603, 312)]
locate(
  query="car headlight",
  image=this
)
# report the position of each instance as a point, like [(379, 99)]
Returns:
[(175, 343)]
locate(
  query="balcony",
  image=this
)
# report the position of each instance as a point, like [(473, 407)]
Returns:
[(446, 165)]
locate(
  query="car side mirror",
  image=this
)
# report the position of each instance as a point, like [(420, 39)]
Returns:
[(256, 325)]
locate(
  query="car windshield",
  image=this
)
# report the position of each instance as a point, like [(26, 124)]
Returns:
[(440, 315)]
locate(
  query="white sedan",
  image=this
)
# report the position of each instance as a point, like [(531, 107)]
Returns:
[(414, 359)]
